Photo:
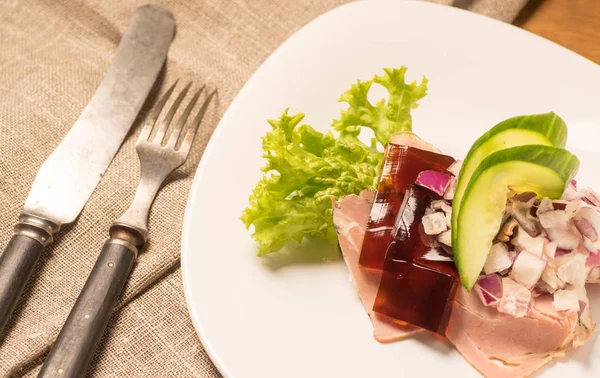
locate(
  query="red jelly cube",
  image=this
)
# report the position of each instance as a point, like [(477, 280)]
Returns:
[(419, 279), (401, 167), (416, 295)]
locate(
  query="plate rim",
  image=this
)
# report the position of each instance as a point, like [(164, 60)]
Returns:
[(215, 137)]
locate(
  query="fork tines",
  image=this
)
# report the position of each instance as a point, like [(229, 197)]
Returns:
[(173, 141)]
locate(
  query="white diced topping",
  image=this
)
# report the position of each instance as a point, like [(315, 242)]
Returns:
[(527, 269), (441, 205), (554, 218), (572, 269), (587, 221), (449, 193), (516, 298), (564, 237), (498, 259), (524, 242), (551, 279), (573, 206), (434, 223), (545, 206), (454, 168), (590, 245), (550, 249), (566, 300), (445, 238)]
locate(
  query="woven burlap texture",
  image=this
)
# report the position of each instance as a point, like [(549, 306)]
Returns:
[(53, 54)]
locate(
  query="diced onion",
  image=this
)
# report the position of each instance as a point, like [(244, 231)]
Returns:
[(522, 214), (570, 192), (527, 269), (455, 167), (489, 289), (550, 249), (564, 237), (545, 206), (498, 259), (566, 300), (591, 197), (524, 242), (449, 193), (573, 270), (441, 205), (554, 218), (435, 181), (590, 245), (516, 298), (592, 260), (551, 279), (587, 221), (434, 223), (562, 252), (445, 238)]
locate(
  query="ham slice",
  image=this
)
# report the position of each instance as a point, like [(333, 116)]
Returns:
[(350, 217), (412, 140), (498, 345)]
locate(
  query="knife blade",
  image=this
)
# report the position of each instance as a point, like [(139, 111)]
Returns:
[(68, 177)]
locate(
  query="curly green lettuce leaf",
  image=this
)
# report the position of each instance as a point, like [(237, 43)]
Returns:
[(385, 118), (307, 169)]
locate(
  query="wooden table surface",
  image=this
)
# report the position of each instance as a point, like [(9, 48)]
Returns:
[(574, 24)]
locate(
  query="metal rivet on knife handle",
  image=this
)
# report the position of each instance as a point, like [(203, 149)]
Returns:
[(68, 177), (36, 228)]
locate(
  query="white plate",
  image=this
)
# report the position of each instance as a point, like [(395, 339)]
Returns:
[(262, 318)]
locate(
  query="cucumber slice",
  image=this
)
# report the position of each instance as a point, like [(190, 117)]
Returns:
[(534, 168), (544, 129)]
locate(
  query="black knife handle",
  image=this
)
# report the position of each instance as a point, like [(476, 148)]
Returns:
[(16, 265), (19, 259), (81, 333)]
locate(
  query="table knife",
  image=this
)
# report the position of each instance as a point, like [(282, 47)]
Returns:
[(68, 177)]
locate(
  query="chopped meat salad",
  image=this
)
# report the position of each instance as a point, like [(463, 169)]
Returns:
[(493, 252)]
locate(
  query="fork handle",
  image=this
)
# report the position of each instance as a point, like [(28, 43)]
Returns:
[(81, 333)]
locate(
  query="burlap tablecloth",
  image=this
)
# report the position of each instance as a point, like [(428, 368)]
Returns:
[(53, 54)]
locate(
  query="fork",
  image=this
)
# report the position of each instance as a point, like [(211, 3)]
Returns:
[(79, 337)]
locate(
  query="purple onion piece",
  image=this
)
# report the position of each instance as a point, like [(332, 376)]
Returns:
[(593, 260), (435, 181), (489, 289), (559, 205), (591, 197), (586, 228), (561, 252)]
